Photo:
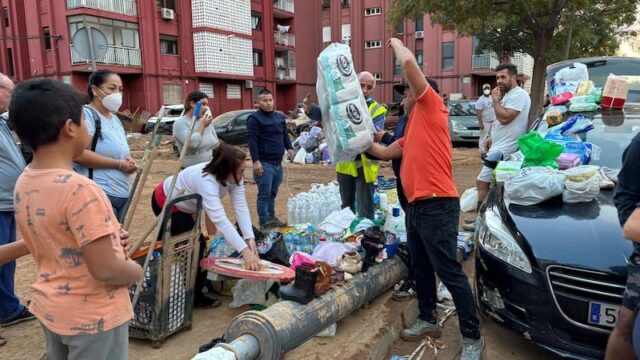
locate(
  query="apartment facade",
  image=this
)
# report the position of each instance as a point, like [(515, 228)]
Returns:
[(443, 55), (162, 49)]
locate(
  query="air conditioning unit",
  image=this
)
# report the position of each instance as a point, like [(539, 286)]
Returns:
[(248, 84), (419, 34), (166, 14)]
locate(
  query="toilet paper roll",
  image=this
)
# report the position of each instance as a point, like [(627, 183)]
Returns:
[(339, 73)]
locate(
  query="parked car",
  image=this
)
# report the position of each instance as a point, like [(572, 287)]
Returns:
[(556, 272), (171, 114), (231, 126), (464, 125)]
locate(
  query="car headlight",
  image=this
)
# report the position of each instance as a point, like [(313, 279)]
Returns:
[(496, 239), (457, 126)]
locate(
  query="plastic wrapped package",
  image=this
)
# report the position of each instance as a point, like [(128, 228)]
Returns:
[(585, 87), (583, 107), (615, 92), (553, 117), (469, 200), (534, 185), (567, 161), (581, 173), (576, 124), (506, 170), (348, 126), (561, 98)]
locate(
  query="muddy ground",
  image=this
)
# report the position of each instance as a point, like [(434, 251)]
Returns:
[(25, 341)]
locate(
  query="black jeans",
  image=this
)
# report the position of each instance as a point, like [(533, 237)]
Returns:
[(432, 231), (183, 222)]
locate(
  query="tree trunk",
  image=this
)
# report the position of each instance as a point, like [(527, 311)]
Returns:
[(539, 74)]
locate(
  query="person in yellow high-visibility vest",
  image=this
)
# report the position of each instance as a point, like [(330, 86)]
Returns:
[(356, 177)]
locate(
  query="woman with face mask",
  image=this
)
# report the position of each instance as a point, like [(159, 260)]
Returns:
[(213, 180), (110, 164), (203, 138)]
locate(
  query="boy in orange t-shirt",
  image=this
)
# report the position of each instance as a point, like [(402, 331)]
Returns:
[(80, 295), (433, 210)]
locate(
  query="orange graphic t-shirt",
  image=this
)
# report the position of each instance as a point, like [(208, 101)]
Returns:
[(58, 212)]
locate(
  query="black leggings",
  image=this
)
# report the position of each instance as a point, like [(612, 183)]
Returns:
[(180, 223)]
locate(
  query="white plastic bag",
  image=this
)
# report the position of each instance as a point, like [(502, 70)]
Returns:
[(506, 170), (573, 74), (216, 353), (250, 292), (347, 123), (300, 157), (581, 190), (534, 185), (469, 200)]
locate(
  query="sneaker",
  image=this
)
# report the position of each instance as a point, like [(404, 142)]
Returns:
[(405, 292), (472, 349), (2, 341), (24, 315), (421, 329)]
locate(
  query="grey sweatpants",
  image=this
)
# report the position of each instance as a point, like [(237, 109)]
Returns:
[(109, 345)]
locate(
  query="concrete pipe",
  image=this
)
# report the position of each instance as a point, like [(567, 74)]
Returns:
[(287, 324)]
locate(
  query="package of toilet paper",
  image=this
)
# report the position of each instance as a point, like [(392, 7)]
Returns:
[(346, 120)]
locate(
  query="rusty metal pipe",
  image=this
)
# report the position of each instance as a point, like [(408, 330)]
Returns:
[(287, 324)]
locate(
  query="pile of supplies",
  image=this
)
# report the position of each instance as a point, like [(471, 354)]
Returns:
[(311, 147)]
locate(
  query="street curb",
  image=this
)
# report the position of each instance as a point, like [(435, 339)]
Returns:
[(387, 339)]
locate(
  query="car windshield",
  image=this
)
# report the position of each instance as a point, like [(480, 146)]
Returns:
[(174, 112), (224, 119), (599, 70), (462, 108), (612, 133)]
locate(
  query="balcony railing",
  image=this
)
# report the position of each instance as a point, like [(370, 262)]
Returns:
[(286, 74), (115, 56), (485, 61), (284, 5), (127, 7), (284, 39)]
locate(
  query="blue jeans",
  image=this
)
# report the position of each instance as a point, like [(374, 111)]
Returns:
[(9, 303), (268, 184), (118, 204), (432, 231)]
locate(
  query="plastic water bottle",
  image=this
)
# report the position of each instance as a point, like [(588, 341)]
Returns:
[(395, 226), (384, 201)]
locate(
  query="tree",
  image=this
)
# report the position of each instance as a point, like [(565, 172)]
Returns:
[(544, 29)]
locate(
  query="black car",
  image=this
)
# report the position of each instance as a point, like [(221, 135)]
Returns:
[(231, 127), (556, 272)]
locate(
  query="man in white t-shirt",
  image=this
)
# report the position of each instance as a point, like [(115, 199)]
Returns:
[(486, 117), (512, 112)]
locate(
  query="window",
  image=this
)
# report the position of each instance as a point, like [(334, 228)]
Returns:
[(257, 58), (171, 94), (447, 55), (400, 28), (233, 92), (372, 11), (326, 34), (5, 16), (397, 68), (373, 44), (377, 76), (47, 38), (256, 22), (420, 58), (344, 3), (10, 70), (207, 89), (167, 4), (168, 45), (346, 34), (326, 4), (420, 24)]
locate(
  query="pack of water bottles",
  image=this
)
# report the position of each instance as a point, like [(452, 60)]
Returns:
[(314, 206), (302, 238)]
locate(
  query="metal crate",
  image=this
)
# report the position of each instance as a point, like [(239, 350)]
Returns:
[(165, 304)]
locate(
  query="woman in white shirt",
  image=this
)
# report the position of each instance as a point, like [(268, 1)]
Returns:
[(213, 180)]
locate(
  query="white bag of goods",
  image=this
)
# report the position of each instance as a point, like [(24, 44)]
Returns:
[(506, 170), (582, 184), (534, 185), (348, 126), (469, 200)]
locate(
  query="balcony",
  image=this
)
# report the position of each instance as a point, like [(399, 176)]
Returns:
[(284, 5), (484, 63), (286, 74), (115, 55), (127, 7), (283, 39)]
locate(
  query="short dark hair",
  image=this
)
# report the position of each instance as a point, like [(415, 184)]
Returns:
[(40, 107), (194, 96), (264, 92), (96, 79), (226, 159), (512, 69)]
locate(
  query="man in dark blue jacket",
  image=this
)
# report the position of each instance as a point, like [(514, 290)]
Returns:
[(268, 140)]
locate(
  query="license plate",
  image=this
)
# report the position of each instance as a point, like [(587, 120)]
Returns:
[(603, 314)]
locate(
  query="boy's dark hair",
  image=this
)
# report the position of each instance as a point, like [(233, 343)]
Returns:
[(40, 107), (194, 96), (225, 162), (264, 92), (96, 79), (511, 69)]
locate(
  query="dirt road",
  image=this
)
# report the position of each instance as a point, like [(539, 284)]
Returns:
[(25, 341)]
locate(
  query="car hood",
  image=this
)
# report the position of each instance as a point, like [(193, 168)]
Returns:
[(586, 235)]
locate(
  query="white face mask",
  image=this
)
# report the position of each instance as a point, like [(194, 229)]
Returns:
[(486, 92), (112, 102)]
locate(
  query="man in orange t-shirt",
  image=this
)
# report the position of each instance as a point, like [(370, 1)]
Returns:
[(433, 211)]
